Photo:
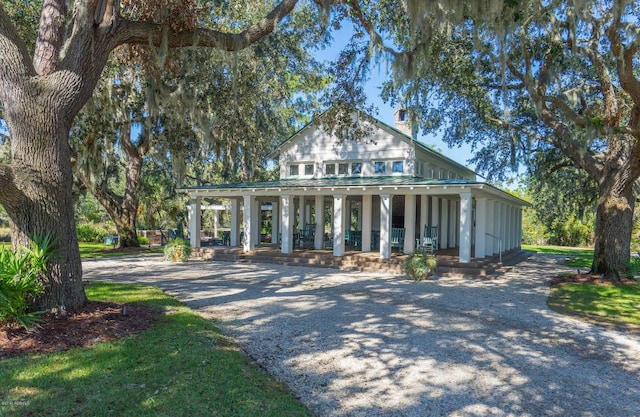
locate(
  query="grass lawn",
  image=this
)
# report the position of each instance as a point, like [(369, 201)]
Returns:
[(100, 250), (181, 366), (605, 304), (576, 257)]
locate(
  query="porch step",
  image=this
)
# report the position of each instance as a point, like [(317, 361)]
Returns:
[(447, 266)]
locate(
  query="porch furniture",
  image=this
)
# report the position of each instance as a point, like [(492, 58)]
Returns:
[(355, 239), (397, 238), (307, 238), (429, 242)]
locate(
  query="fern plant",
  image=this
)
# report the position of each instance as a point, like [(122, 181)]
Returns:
[(20, 283), (177, 250)]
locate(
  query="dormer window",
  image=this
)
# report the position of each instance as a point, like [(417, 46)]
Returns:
[(330, 169), (356, 168), (397, 167), (293, 170), (308, 170), (379, 167), (343, 169)]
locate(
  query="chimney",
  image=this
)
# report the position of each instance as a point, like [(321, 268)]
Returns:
[(403, 123)]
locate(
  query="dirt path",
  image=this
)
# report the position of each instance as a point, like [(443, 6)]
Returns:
[(360, 344)]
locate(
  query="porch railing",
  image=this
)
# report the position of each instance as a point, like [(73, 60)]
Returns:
[(499, 244)]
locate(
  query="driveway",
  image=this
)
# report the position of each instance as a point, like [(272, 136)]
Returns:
[(363, 344)]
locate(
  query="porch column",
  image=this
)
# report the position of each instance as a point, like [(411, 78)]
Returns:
[(503, 226), (216, 220), (339, 211), (481, 227), (454, 210), (465, 226), (235, 222), (367, 210), (443, 238), (435, 212), (275, 221), (250, 222), (497, 245), (287, 224), (385, 226), (195, 213), (424, 207), (409, 223), (491, 242), (319, 219)]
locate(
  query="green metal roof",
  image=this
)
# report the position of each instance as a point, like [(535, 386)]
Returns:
[(399, 180)]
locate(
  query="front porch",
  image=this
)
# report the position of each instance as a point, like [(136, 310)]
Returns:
[(448, 260)]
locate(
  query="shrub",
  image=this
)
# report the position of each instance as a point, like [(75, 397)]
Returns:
[(19, 280), (143, 240), (419, 266), (5, 234), (91, 232), (177, 250), (633, 267)]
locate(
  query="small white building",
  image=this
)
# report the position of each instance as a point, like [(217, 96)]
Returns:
[(361, 194)]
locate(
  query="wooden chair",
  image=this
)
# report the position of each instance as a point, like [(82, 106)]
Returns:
[(397, 238), (429, 243)]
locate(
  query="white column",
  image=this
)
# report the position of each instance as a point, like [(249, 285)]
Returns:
[(216, 220), (465, 226), (195, 213), (319, 219), (424, 206), (256, 221), (339, 209), (496, 227), (490, 241), (385, 226), (275, 221), (503, 226), (249, 222), (409, 223), (481, 227), (443, 238), (435, 211), (367, 209), (235, 222), (286, 223)]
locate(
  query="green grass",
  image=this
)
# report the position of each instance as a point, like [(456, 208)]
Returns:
[(182, 366), (576, 257), (100, 250), (608, 304)]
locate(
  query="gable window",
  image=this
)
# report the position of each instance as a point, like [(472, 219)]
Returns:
[(356, 168), (398, 167), (293, 170), (330, 169), (343, 169), (379, 167), (308, 169)]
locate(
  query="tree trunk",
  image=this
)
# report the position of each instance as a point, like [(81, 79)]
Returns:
[(614, 222), (41, 201)]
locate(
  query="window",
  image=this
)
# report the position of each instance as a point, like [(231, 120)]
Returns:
[(343, 169), (330, 169), (379, 167), (356, 168), (293, 170), (398, 167), (308, 169)]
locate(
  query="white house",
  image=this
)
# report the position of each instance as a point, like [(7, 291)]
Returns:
[(333, 193)]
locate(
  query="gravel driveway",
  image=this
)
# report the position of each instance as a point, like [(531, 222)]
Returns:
[(363, 344)]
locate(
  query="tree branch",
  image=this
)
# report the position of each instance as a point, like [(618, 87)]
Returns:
[(14, 55), (50, 36), (133, 32)]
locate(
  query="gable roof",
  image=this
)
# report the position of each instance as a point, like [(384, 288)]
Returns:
[(392, 130)]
